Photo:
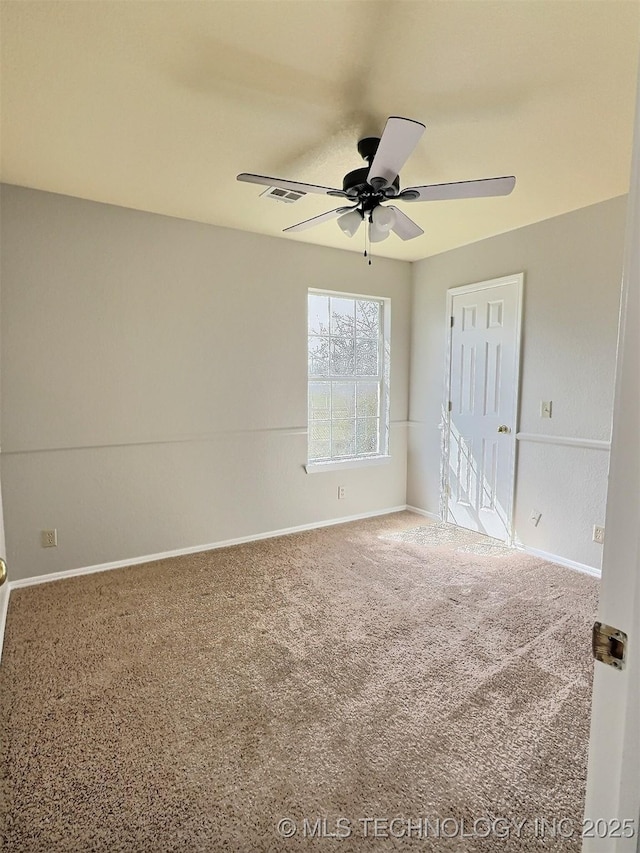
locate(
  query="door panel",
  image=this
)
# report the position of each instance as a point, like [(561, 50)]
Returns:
[(613, 780), (483, 394)]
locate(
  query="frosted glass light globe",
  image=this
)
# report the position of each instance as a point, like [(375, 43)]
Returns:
[(350, 222), (384, 218), (377, 235)]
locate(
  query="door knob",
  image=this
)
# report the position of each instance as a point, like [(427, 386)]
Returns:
[(503, 428)]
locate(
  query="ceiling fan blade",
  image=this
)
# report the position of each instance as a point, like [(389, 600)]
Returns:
[(316, 220), (462, 189), (296, 186), (404, 227), (399, 138)]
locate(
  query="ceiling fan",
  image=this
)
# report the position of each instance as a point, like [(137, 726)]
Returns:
[(379, 181)]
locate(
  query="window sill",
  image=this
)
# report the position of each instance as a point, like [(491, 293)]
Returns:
[(365, 462)]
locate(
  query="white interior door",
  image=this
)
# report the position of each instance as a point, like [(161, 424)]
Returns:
[(612, 813), (480, 445)]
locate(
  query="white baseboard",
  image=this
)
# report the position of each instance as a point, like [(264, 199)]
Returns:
[(4, 606), (431, 515), (179, 552), (561, 561), (545, 555), (211, 546)]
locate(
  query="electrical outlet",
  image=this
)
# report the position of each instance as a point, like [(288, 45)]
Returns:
[(598, 534), (49, 538), (545, 408), (535, 517), (341, 493)]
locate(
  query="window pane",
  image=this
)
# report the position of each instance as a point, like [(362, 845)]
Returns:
[(318, 314), (367, 435), (343, 438), (319, 401), (367, 357), (368, 399), (344, 399), (367, 319), (342, 317), (319, 450), (342, 357), (320, 430), (347, 366), (318, 356)]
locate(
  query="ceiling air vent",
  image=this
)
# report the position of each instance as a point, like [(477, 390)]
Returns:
[(278, 194)]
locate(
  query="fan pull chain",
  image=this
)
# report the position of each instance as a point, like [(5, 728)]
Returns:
[(367, 237)]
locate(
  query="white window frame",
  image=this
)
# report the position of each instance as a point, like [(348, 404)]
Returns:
[(384, 360)]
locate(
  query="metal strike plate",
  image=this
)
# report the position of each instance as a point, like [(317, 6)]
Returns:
[(609, 645), (3, 571)]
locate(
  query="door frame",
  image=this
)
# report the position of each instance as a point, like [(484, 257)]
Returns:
[(445, 425)]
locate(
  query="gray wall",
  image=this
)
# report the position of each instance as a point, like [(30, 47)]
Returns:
[(154, 382), (154, 379), (573, 267)]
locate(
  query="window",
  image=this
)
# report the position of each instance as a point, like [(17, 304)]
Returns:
[(348, 352)]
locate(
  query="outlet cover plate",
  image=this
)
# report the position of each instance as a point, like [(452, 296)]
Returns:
[(49, 538)]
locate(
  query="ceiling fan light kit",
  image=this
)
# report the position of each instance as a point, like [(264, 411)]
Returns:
[(350, 222), (379, 182), (377, 235), (384, 218)]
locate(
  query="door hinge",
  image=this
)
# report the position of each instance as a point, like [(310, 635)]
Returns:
[(450, 406), (609, 645), (452, 322)]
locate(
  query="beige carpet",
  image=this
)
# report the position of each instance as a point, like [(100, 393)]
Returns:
[(193, 704)]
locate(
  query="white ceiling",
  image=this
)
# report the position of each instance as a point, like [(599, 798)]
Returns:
[(158, 105)]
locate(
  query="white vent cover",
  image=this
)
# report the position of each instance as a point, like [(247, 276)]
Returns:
[(277, 194)]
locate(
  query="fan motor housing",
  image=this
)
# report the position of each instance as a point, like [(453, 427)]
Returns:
[(357, 180), (355, 183), (368, 147)]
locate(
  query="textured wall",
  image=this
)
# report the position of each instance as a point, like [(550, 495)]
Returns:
[(154, 382), (573, 267)]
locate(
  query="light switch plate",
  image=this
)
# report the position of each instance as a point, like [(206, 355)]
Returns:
[(545, 408)]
